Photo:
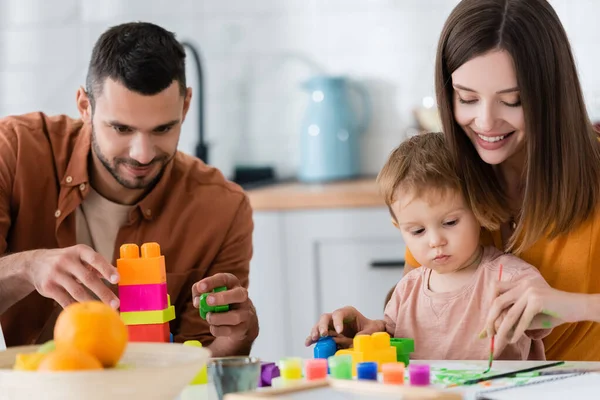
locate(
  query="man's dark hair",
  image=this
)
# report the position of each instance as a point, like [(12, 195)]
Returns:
[(143, 57)]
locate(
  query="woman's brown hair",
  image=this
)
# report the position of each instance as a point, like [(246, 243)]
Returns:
[(562, 171)]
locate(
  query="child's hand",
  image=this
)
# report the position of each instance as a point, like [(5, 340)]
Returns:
[(343, 324)]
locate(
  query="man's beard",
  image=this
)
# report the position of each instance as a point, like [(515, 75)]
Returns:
[(139, 182)]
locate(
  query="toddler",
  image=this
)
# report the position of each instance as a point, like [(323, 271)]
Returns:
[(443, 305)]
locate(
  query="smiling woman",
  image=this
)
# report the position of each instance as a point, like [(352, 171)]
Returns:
[(513, 113)]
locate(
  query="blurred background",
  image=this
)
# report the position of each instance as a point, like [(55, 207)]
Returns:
[(300, 101), (255, 56)]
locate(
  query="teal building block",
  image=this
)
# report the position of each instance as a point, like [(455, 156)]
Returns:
[(404, 347), (205, 308)]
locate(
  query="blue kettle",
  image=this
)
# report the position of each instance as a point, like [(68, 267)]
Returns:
[(330, 133)]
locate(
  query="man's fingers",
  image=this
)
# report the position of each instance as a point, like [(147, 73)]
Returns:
[(207, 284), (95, 260), (61, 296), (230, 318), (236, 295), (237, 333), (74, 289), (88, 277)]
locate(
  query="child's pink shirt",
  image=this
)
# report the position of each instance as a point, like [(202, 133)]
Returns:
[(445, 326)]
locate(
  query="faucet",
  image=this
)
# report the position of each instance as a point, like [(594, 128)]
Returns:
[(201, 147)]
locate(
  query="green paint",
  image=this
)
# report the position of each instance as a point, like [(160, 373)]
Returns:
[(547, 324), (445, 376), (551, 313)]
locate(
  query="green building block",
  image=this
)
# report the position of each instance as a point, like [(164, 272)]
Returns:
[(340, 367), (205, 308), (404, 347)]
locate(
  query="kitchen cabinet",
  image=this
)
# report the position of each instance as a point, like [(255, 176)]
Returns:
[(311, 261)]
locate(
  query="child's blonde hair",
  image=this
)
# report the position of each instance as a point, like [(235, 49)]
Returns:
[(421, 162)]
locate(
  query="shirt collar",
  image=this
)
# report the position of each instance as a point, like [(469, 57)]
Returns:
[(76, 172)]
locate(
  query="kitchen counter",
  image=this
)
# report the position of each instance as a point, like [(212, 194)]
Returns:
[(361, 192)]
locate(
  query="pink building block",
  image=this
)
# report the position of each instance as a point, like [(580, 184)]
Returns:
[(143, 297)]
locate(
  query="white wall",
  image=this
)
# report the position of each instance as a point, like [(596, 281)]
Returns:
[(256, 53)]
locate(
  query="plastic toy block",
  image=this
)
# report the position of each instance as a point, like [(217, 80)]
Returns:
[(148, 317), (290, 368), (144, 270), (268, 371), (340, 366), (419, 375), (315, 369), (325, 347), (205, 308), (375, 348), (366, 371), (149, 333), (404, 347), (202, 377), (143, 297), (393, 373)]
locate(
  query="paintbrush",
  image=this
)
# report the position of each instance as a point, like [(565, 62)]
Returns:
[(493, 337), (511, 374), (568, 371)]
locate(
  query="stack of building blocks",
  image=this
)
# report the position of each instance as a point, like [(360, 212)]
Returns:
[(375, 348), (145, 304)]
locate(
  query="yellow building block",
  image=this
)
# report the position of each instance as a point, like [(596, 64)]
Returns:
[(202, 377), (136, 270), (149, 317), (371, 348)]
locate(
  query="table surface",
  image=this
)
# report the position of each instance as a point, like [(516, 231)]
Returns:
[(208, 392)]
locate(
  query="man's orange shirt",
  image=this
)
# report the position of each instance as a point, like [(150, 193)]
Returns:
[(202, 222)]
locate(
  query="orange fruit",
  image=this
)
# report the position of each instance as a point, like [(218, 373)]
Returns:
[(68, 359), (92, 327)]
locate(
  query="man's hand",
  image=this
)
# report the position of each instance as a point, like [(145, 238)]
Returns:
[(240, 322), (69, 275)]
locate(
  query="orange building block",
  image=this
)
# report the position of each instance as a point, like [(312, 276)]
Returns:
[(371, 348), (136, 270), (149, 333)]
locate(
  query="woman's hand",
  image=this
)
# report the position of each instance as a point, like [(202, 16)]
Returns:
[(526, 305), (343, 324)]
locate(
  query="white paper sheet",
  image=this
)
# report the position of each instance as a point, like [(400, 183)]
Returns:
[(586, 386)]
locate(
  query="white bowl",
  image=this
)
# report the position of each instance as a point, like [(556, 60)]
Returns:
[(154, 371)]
